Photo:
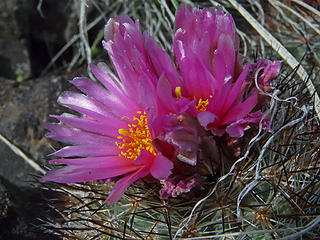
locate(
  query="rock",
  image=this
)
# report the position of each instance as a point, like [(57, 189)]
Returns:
[(30, 35), (14, 169), (14, 57), (25, 109), (4, 201), (22, 209)]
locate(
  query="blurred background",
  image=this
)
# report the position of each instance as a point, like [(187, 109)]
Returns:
[(44, 43)]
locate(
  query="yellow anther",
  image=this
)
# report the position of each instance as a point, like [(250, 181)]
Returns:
[(136, 138), (177, 91), (123, 132), (202, 104)]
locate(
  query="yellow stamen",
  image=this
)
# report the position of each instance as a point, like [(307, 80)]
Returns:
[(135, 138), (177, 91), (202, 104), (123, 132)]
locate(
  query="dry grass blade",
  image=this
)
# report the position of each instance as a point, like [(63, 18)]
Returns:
[(281, 50), (21, 154), (306, 6), (297, 14), (70, 43), (84, 34)]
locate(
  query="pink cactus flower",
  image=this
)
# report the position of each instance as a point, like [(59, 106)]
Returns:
[(206, 51), (113, 135), (210, 83)]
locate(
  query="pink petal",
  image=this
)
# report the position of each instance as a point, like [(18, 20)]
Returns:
[(239, 111), (120, 187), (84, 105), (116, 99), (219, 68), (95, 162), (124, 27), (185, 138), (146, 93), (226, 46), (203, 31), (164, 92), (192, 70), (206, 118), (218, 100), (126, 74), (145, 158), (70, 174), (88, 150), (100, 128), (183, 17), (196, 23), (235, 130), (235, 92), (161, 62), (161, 167), (75, 136), (125, 45), (92, 89), (103, 73), (160, 123), (114, 103), (224, 26)]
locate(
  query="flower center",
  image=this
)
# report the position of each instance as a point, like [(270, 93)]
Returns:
[(135, 138), (202, 104)]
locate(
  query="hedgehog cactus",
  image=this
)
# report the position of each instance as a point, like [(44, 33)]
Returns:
[(173, 137)]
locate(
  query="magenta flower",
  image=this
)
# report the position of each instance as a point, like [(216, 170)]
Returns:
[(113, 135), (210, 84), (206, 50)]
